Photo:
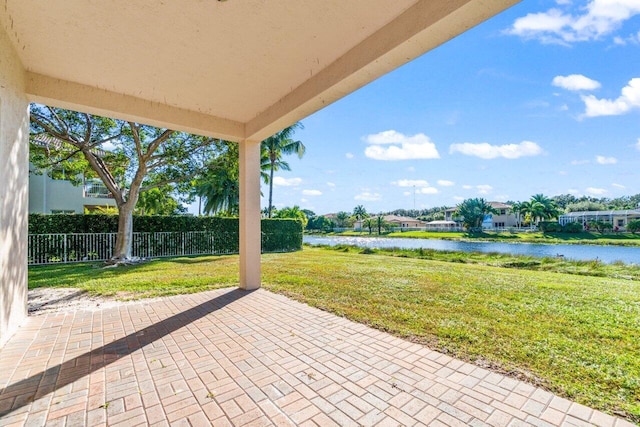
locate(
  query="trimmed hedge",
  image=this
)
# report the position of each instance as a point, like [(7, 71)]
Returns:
[(278, 235)]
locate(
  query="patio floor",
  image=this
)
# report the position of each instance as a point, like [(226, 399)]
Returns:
[(231, 357)]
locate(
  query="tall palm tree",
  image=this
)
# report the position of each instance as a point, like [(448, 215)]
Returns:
[(274, 147), (359, 212)]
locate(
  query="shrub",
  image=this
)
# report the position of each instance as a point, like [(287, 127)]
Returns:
[(634, 226), (572, 227), (549, 227)]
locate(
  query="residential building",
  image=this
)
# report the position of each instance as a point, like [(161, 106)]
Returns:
[(58, 195), (503, 219), (51, 196), (395, 221), (617, 218)]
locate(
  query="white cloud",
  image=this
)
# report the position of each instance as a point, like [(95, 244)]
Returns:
[(484, 189), (618, 186), (563, 173), (596, 191), (638, 144), (481, 189), (488, 151), (579, 162), (312, 192), (331, 184), (407, 193), (445, 183), (569, 24), (368, 196), (349, 156), (411, 169), (400, 146), (458, 198), (630, 39), (573, 191), (411, 183), (428, 190), (606, 160), (286, 182), (575, 82), (628, 100)]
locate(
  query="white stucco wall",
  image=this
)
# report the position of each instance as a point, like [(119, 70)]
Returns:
[(48, 195), (14, 152)]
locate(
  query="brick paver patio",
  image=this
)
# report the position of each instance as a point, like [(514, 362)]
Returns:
[(230, 357)]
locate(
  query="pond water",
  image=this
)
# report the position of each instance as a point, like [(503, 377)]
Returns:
[(607, 254)]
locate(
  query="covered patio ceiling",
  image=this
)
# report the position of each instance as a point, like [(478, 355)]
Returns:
[(238, 69)]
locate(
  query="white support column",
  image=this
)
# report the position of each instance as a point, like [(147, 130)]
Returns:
[(250, 234), (14, 173)]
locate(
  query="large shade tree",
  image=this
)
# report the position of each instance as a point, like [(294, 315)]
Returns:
[(129, 158), (273, 149)]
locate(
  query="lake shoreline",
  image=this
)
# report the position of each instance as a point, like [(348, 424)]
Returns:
[(553, 239), (608, 254), (595, 268)]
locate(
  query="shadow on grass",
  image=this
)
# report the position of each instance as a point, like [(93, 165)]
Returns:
[(61, 375), (72, 275)]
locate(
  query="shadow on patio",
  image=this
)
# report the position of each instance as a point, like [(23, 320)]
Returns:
[(230, 357)]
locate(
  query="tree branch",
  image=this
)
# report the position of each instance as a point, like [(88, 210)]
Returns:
[(167, 181)]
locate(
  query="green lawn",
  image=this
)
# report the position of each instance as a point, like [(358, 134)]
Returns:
[(590, 238), (578, 336)]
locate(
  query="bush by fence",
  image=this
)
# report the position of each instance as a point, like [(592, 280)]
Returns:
[(154, 235)]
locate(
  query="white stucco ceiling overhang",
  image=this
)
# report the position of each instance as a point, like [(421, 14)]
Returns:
[(238, 69)]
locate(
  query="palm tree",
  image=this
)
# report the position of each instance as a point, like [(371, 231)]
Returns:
[(369, 223), (540, 207), (473, 211), (342, 218), (380, 223), (293, 213), (219, 187), (273, 148), (515, 209), (359, 212)]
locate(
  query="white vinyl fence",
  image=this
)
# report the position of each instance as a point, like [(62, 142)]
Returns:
[(65, 248)]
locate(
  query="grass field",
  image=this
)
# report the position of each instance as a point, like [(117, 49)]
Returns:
[(577, 335), (585, 238)]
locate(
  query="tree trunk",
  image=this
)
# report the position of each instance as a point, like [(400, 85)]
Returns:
[(124, 238)]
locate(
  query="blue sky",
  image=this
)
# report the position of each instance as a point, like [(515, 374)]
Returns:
[(543, 98)]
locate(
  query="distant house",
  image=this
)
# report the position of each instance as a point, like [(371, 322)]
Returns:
[(618, 219), (396, 221), (503, 219), (442, 225)]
